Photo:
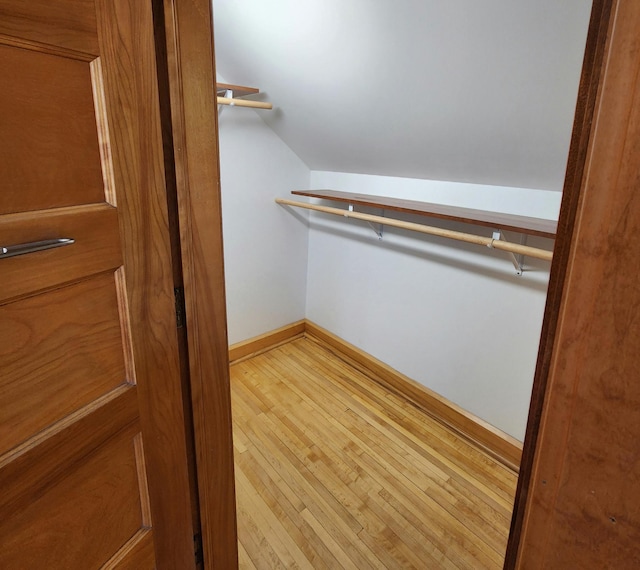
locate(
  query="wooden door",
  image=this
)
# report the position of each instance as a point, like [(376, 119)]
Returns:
[(92, 448)]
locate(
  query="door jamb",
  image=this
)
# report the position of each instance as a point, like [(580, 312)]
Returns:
[(194, 124)]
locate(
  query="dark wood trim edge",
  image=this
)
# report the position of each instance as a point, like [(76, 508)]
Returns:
[(267, 341), (191, 66), (176, 254), (581, 135), (493, 441)]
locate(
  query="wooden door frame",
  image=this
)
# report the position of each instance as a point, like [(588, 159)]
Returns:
[(190, 82)]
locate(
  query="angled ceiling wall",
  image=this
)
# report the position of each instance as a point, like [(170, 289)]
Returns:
[(456, 90)]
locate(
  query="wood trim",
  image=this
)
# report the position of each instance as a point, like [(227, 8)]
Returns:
[(176, 254), (191, 72), (137, 553), (266, 341), (581, 135), (73, 33), (498, 444)]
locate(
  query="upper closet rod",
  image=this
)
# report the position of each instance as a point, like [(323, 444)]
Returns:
[(460, 236), (244, 103)]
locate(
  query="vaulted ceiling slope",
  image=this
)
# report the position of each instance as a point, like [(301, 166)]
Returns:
[(458, 90)]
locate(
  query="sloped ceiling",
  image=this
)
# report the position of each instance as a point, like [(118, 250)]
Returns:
[(478, 91)]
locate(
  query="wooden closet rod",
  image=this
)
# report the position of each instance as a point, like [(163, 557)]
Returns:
[(460, 236), (244, 103)]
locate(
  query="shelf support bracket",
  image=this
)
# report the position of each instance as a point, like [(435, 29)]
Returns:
[(377, 228), (517, 260), (229, 94)]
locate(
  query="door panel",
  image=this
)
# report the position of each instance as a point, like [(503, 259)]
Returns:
[(100, 500), (49, 116), (93, 465), (38, 463), (52, 367)]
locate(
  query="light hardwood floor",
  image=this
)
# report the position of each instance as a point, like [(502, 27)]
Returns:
[(333, 471)]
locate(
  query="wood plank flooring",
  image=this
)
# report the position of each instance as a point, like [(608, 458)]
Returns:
[(333, 471)]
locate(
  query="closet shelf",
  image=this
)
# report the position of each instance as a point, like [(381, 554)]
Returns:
[(229, 94), (238, 90), (495, 220)]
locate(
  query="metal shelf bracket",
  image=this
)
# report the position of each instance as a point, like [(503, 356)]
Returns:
[(516, 259), (377, 228), (229, 94)]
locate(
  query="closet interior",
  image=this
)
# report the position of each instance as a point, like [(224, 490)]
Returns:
[(386, 261)]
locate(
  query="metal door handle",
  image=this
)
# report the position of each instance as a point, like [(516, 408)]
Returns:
[(31, 247)]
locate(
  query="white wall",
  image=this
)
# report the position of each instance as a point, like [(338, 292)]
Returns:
[(452, 316), (265, 246), (464, 90)]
